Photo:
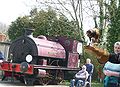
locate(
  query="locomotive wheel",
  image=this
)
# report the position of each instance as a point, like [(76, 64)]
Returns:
[(60, 74), (45, 80), (21, 79), (59, 77)]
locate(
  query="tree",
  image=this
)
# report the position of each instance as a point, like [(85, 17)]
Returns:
[(78, 10), (16, 29), (114, 28), (64, 6), (46, 23)]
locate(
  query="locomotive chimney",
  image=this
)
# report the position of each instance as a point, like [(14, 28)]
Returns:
[(29, 32)]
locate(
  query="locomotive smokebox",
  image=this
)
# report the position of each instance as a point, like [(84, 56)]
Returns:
[(23, 46)]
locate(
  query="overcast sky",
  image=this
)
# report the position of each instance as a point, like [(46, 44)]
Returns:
[(11, 9)]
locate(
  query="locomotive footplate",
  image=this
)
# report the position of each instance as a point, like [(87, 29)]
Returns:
[(7, 66), (14, 67), (55, 68)]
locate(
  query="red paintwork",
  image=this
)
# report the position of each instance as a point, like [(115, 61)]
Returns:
[(69, 44), (49, 49), (6, 66), (73, 60)]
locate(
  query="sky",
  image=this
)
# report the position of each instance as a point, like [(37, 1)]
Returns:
[(11, 9)]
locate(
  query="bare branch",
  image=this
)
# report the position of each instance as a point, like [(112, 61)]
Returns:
[(66, 9)]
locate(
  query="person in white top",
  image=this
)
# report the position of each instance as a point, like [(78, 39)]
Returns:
[(80, 78)]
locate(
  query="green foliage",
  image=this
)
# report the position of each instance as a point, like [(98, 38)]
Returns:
[(17, 27), (46, 23), (113, 32), (93, 84), (97, 84)]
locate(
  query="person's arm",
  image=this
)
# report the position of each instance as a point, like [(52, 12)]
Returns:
[(111, 69), (78, 75), (111, 73), (87, 74), (91, 72)]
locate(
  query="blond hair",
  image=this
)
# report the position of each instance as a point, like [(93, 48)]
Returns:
[(88, 60)]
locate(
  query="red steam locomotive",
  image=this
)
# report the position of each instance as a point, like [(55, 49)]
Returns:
[(42, 60)]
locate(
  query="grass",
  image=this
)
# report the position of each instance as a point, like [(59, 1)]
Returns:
[(94, 84)]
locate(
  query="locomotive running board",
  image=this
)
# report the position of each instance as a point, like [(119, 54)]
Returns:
[(55, 67), (14, 67)]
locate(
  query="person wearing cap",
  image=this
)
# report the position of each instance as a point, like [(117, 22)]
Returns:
[(80, 78)]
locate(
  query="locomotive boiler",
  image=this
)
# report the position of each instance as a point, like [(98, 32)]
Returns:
[(42, 60)]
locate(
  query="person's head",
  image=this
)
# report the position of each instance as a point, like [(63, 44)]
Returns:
[(88, 61), (117, 47), (84, 68)]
